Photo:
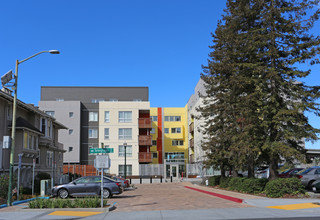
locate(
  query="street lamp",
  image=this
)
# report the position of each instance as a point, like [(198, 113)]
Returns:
[(125, 159), (13, 129)]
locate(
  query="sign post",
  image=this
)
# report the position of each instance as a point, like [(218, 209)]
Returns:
[(101, 150), (102, 162)]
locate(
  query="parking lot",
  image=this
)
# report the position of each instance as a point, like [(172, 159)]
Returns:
[(168, 196)]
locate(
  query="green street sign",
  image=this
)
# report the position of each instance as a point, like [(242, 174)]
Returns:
[(100, 150)]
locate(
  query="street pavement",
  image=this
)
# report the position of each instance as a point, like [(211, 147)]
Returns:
[(180, 200)]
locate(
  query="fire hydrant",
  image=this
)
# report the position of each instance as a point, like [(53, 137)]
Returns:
[(207, 182)]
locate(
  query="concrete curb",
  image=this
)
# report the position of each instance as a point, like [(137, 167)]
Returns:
[(233, 199)]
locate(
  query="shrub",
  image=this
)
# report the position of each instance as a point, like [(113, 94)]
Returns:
[(284, 186), (253, 185), (224, 182), (67, 203), (235, 183), (4, 184), (214, 180)]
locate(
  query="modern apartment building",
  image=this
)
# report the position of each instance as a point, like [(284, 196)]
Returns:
[(170, 139), (126, 123), (36, 141), (78, 109)]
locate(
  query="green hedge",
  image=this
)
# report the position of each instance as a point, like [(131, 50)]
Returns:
[(284, 186), (214, 180), (253, 185), (224, 182), (235, 183)]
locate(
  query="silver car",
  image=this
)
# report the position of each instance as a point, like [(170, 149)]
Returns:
[(308, 176), (87, 186)]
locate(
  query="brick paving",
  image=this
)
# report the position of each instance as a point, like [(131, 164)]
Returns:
[(170, 196)]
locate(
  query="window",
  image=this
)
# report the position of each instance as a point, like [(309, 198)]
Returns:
[(106, 133), (128, 151), (70, 149), (51, 113), (166, 130), (154, 118), (128, 170), (97, 100), (113, 100), (174, 155), (93, 133), (154, 155), (9, 112), (154, 143), (153, 131), (49, 158), (177, 142), (60, 156), (172, 118), (35, 143), (125, 116), (175, 130), (70, 131), (59, 99), (137, 100), (44, 126), (70, 114), (30, 141), (106, 116), (125, 133), (93, 116)]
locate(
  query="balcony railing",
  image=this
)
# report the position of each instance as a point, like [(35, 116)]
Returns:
[(191, 143), (145, 140), (145, 157), (144, 123), (191, 127)]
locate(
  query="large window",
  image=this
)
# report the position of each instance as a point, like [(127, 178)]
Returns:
[(70, 114), (51, 113), (154, 143), (154, 118), (175, 130), (177, 142), (125, 133), (172, 118), (97, 100), (93, 133), (166, 130), (106, 116), (128, 151), (49, 158), (153, 131), (128, 170), (125, 116), (106, 133), (93, 116), (174, 155)]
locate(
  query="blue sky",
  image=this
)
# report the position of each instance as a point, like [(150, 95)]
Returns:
[(159, 44)]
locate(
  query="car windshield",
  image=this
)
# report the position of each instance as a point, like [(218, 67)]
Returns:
[(305, 171)]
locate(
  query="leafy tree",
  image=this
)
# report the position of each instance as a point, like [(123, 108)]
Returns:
[(255, 101)]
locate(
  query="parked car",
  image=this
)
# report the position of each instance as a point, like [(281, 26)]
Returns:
[(308, 176), (87, 186), (125, 183), (262, 172), (289, 172), (316, 186)]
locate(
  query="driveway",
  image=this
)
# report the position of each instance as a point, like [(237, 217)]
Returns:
[(168, 196)]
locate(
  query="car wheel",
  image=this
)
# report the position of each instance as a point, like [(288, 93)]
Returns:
[(310, 184), (106, 193), (63, 193)]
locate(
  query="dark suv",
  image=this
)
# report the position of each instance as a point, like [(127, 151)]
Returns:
[(88, 186)]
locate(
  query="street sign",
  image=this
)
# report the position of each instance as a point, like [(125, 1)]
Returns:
[(100, 150), (102, 162)]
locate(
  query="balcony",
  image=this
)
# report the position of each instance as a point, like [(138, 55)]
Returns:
[(191, 143), (145, 140), (144, 123), (191, 128), (145, 157)]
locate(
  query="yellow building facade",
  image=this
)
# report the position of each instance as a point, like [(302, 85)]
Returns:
[(170, 139)]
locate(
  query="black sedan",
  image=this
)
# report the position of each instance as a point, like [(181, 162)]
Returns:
[(88, 186)]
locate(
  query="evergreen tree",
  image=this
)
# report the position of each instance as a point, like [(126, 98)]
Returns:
[(253, 83)]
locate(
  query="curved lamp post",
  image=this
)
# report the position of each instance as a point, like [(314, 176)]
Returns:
[(13, 128)]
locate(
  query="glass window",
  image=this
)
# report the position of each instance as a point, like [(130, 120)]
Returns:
[(128, 170), (154, 142), (93, 116), (125, 116), (125, 133), (106, 116), (70, 149), (59, 99), (166, 130), (51, 113), (177, 142), (70, 131), (153, 131), (93, 133), (128, 151), (96, 100), (154, 118), (113, 100), (175, 130), (154, 155), (49, 158), (172, 118), (70, 114), (25, 140), (166, 118), (137, 100), (106, 133)]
